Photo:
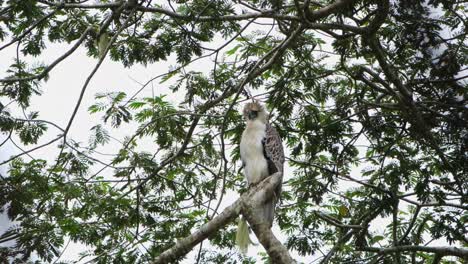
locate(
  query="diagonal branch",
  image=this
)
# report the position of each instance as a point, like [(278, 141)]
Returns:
[(44, 72), (28, 30), (327, 10), (252, 198), (277, 251)]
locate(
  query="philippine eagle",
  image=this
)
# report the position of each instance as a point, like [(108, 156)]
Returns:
[(262, 154)]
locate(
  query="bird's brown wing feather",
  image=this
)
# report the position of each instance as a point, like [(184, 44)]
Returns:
[(274, 154), (273, 149)]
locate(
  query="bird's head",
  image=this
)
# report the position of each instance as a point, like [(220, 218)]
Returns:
[(255, 111)]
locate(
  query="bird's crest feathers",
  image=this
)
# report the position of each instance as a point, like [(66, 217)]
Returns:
[(253, 106), (257, 109)]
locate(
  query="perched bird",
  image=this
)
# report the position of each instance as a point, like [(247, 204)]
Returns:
[(262, 154)]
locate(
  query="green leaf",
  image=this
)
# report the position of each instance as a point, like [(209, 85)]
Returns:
[(233, 50), (343, 211)]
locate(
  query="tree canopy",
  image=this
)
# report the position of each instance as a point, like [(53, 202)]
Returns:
[(369, 96)]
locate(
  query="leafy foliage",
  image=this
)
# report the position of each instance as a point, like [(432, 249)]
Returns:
[(370, 99)]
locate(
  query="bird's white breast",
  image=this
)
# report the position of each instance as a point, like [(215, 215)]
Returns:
[(251, 151)]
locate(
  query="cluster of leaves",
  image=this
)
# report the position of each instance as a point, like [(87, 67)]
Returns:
[(384, 110)]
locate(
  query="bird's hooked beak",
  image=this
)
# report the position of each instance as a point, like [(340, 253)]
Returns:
[(252, 115)]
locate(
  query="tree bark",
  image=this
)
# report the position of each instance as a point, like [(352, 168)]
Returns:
[(251, 199), (278, 252)]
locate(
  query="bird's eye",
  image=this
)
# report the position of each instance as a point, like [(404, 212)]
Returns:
[(253, 114)]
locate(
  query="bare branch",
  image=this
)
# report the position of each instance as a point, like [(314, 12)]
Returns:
[(31, 150), (442, 251), (54, 63), (25, 32)]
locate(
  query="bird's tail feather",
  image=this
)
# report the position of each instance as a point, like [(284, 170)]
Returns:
[(242, 236)]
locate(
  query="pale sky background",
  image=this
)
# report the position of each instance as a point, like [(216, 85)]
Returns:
[(58, 101)]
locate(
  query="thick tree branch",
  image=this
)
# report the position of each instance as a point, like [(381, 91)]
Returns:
[(327, 10), (277, 251), (374, 25), (184, 246), (252, 198)]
